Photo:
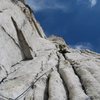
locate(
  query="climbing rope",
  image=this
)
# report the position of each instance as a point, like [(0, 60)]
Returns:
[(31, 86)]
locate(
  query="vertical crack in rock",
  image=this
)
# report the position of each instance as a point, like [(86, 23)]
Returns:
[(32, 85), (72, 82), (40, 92), (3, 76), (68, 80), (91, 85), (11, 37), (64, 84), (24, 45), (78, 76), (28, 12), (66, 88), (56, 74), (56, 87), (7, 74), (63, 52), (36, 27), (46, 93)]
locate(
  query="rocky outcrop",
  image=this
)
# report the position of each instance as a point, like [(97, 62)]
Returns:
[(34, 67)]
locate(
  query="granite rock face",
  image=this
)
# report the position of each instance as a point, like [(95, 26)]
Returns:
[(34, 67)]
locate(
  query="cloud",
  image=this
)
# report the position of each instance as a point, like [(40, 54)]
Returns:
[(93, 2), (81, 46), (39, 5)]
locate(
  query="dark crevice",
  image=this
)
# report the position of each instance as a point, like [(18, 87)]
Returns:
[(83, 88), (63, 50), (57, 66), (17, 63), (6, 80), (63, 54), (1, 11), (31, 86), (23, 44), (13, 41), (31, 11), (46, 93), (79, 79), (66, 88), (3, 79), (12, 79)]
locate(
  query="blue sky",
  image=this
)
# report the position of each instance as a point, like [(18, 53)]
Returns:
[(77, 21)]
